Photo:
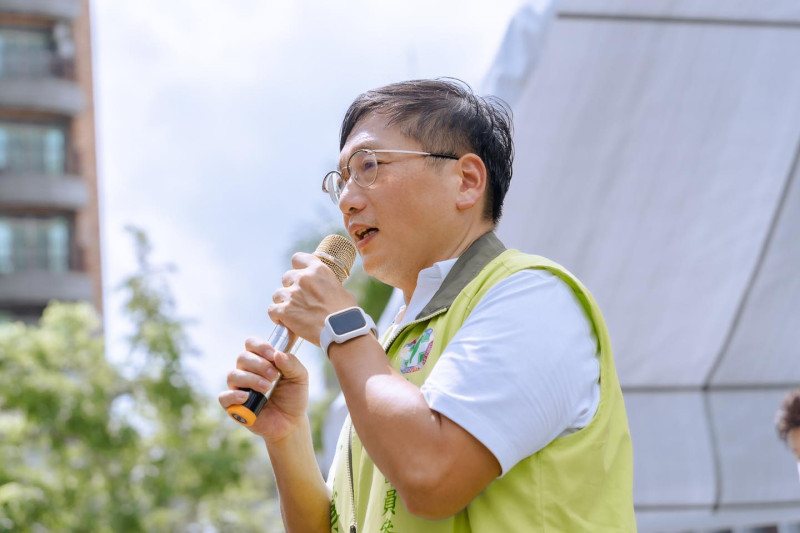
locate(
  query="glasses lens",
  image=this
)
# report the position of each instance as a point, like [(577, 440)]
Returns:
[(363, 167), (333, 185)]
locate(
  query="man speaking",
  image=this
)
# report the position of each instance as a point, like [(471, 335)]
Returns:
[(492, 404)]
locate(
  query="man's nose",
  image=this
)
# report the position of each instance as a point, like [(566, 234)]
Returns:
[(352, 199)]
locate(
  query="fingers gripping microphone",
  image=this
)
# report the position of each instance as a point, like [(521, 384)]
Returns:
[(339, 254)]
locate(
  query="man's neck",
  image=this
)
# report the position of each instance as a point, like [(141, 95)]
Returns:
[(458, 247)]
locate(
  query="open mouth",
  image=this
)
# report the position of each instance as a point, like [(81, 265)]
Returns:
[(365, 233)]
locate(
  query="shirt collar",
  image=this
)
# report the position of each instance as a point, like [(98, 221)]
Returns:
[(428, 282)]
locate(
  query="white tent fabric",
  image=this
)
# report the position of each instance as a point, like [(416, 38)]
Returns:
[(657, 158), (520, 50)]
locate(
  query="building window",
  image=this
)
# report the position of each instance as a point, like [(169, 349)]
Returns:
[(32, 53), (32, 148), (26, 53), (34, 243)]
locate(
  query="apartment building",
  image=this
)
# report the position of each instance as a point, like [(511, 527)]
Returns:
[(49, 227)]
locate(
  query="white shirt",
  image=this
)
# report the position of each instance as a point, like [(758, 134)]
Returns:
[(523, 369)]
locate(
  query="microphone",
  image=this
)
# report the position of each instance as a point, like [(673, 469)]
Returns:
[(338, 253)]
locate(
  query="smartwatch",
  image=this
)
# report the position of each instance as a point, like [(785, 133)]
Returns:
[(345, 325)]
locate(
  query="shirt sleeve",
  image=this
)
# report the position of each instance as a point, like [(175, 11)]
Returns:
[(522, 370)]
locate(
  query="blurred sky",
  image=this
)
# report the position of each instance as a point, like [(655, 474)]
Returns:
[(216, 122)]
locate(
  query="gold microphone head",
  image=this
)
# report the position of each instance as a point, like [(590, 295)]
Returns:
[(339, 253)]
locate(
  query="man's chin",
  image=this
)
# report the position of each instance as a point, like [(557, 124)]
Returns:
[(370, 266), (379, 270)]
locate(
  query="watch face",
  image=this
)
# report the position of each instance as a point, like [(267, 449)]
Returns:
[(348, 321)]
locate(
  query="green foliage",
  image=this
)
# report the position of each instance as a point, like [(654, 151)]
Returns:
[(87, 445)]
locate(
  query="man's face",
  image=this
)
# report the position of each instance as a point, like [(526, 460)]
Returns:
[(409, 211)]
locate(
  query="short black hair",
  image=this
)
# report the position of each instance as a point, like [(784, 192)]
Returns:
[(788, 417), (446, 116)]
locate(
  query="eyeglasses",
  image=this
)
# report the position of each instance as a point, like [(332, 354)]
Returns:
[(363, 168)]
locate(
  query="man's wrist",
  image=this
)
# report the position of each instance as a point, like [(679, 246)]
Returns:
[(345, 325), (292, 439)]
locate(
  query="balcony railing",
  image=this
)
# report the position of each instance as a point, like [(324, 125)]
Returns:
[(34, 260), (38, 191), (38, 161), (34, 288), (56, 9), (32, 64), (37, 259)]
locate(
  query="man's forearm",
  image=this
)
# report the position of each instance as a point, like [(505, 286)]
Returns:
[(305, 499), (436, 467)]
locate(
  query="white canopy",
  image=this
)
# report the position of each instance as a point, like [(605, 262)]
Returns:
[(657, 149)]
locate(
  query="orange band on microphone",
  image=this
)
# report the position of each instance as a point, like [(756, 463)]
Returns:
[(242, 414)]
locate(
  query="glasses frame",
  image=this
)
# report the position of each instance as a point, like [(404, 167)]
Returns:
[(329, 176)]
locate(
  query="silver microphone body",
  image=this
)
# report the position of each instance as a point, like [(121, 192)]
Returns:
[(280, 341)]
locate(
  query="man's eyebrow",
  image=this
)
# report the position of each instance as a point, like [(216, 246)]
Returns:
[(368, 144)]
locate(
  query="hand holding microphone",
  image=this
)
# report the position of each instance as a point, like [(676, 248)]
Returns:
[(337, 253)]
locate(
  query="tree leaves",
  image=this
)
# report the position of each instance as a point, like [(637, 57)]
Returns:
[(88, 447)]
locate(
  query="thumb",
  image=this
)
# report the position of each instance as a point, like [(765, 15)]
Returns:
[(290, 367)]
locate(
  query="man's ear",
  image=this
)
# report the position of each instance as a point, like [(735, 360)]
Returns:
[(472, 187)]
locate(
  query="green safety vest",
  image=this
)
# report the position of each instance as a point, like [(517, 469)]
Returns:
[(582, 482)]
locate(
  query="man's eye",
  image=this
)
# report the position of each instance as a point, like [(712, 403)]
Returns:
[(364, 166)]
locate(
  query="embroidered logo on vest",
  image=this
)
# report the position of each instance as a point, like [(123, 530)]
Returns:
[(414, 354)]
